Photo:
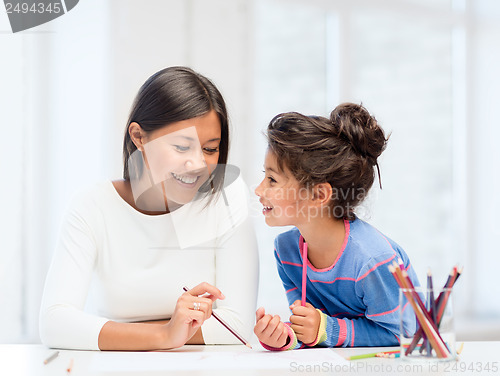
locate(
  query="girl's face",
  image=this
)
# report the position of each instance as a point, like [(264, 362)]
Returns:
[(182, 155), (285, 202)]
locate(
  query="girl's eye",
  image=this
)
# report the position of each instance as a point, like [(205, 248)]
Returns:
[(271, 179), (180, 148)]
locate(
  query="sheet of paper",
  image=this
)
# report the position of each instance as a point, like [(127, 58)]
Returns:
[(214, 360)]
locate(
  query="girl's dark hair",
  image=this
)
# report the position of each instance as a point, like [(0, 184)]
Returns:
[(175, 94), (341, 150)]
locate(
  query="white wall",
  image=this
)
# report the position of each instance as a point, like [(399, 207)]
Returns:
[(428, 71)]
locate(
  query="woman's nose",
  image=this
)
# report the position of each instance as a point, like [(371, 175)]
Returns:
[(196, 161)]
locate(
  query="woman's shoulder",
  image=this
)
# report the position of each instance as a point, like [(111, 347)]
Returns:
[(92, 192), (89, 198)]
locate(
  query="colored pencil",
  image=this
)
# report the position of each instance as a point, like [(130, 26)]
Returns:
[(227, 326), (423, 317), (51, 357), (304, 274), (70, 366), (379, 354), (450, 282)]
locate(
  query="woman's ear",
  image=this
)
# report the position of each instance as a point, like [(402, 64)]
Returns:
[(137, 135), (322, 193)]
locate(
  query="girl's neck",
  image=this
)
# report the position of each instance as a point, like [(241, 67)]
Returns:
[(324, 237)]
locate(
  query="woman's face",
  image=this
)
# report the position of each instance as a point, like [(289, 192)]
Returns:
[(182, 155)]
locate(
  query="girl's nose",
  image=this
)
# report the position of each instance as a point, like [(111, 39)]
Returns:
[(259, 190)]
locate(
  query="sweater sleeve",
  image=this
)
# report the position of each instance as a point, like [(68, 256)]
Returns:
[(237, 274), (63, 322)]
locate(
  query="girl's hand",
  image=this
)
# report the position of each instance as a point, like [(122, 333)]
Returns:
[(190, 312), (270, 330), (305, 322)]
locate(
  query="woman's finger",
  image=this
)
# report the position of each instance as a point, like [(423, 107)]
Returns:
[(204, 288)]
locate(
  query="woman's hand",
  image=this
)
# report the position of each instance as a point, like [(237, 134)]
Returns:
[(192, 309), (305, 322), (270, 330)]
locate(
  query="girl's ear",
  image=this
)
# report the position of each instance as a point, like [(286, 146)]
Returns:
[(137, 135), (322, 193)]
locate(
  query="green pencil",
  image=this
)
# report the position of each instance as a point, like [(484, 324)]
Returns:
[(372, 355)]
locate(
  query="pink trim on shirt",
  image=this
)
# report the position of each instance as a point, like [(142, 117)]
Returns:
[(375, 267), (291, 263), (388, 242), (287, 291), (384, 313), (352, 339), (347, 227), (341, 278), (342, 332)]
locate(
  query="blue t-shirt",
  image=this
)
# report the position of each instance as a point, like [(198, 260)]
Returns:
[(358, 294)]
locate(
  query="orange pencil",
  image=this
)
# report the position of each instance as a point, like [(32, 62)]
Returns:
[(70, 366), (422, 315)]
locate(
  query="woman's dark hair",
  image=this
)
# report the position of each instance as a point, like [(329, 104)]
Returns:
[(175, 94), (341, 151)]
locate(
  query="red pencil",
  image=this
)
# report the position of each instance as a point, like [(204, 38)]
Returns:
[(423, 317), (227, 326), (441, 304)]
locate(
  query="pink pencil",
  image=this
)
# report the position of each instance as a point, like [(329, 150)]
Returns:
[(304, 274)]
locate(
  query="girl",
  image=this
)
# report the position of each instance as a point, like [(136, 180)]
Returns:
[(317, 171), (129, 246)]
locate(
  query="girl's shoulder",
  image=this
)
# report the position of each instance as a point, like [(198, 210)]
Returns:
[(369, 242), (288, 241)]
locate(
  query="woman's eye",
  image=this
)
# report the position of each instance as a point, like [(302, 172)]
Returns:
[(181, 148), (211, 150)]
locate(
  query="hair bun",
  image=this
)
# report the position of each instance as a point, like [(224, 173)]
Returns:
[(354, 123)]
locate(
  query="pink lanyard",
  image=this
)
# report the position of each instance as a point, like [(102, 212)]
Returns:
[(303, 245)]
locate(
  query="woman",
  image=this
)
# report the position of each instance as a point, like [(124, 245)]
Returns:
[(128, 247)]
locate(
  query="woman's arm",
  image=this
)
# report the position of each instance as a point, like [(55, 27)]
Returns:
[(184, 325), (63, 322)]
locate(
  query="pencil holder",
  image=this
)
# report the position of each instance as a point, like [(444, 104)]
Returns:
[(427, 324)]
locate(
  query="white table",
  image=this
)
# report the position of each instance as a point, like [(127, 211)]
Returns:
[(28, 360)]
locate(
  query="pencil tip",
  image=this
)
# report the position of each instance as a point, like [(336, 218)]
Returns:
[(248, 345)]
